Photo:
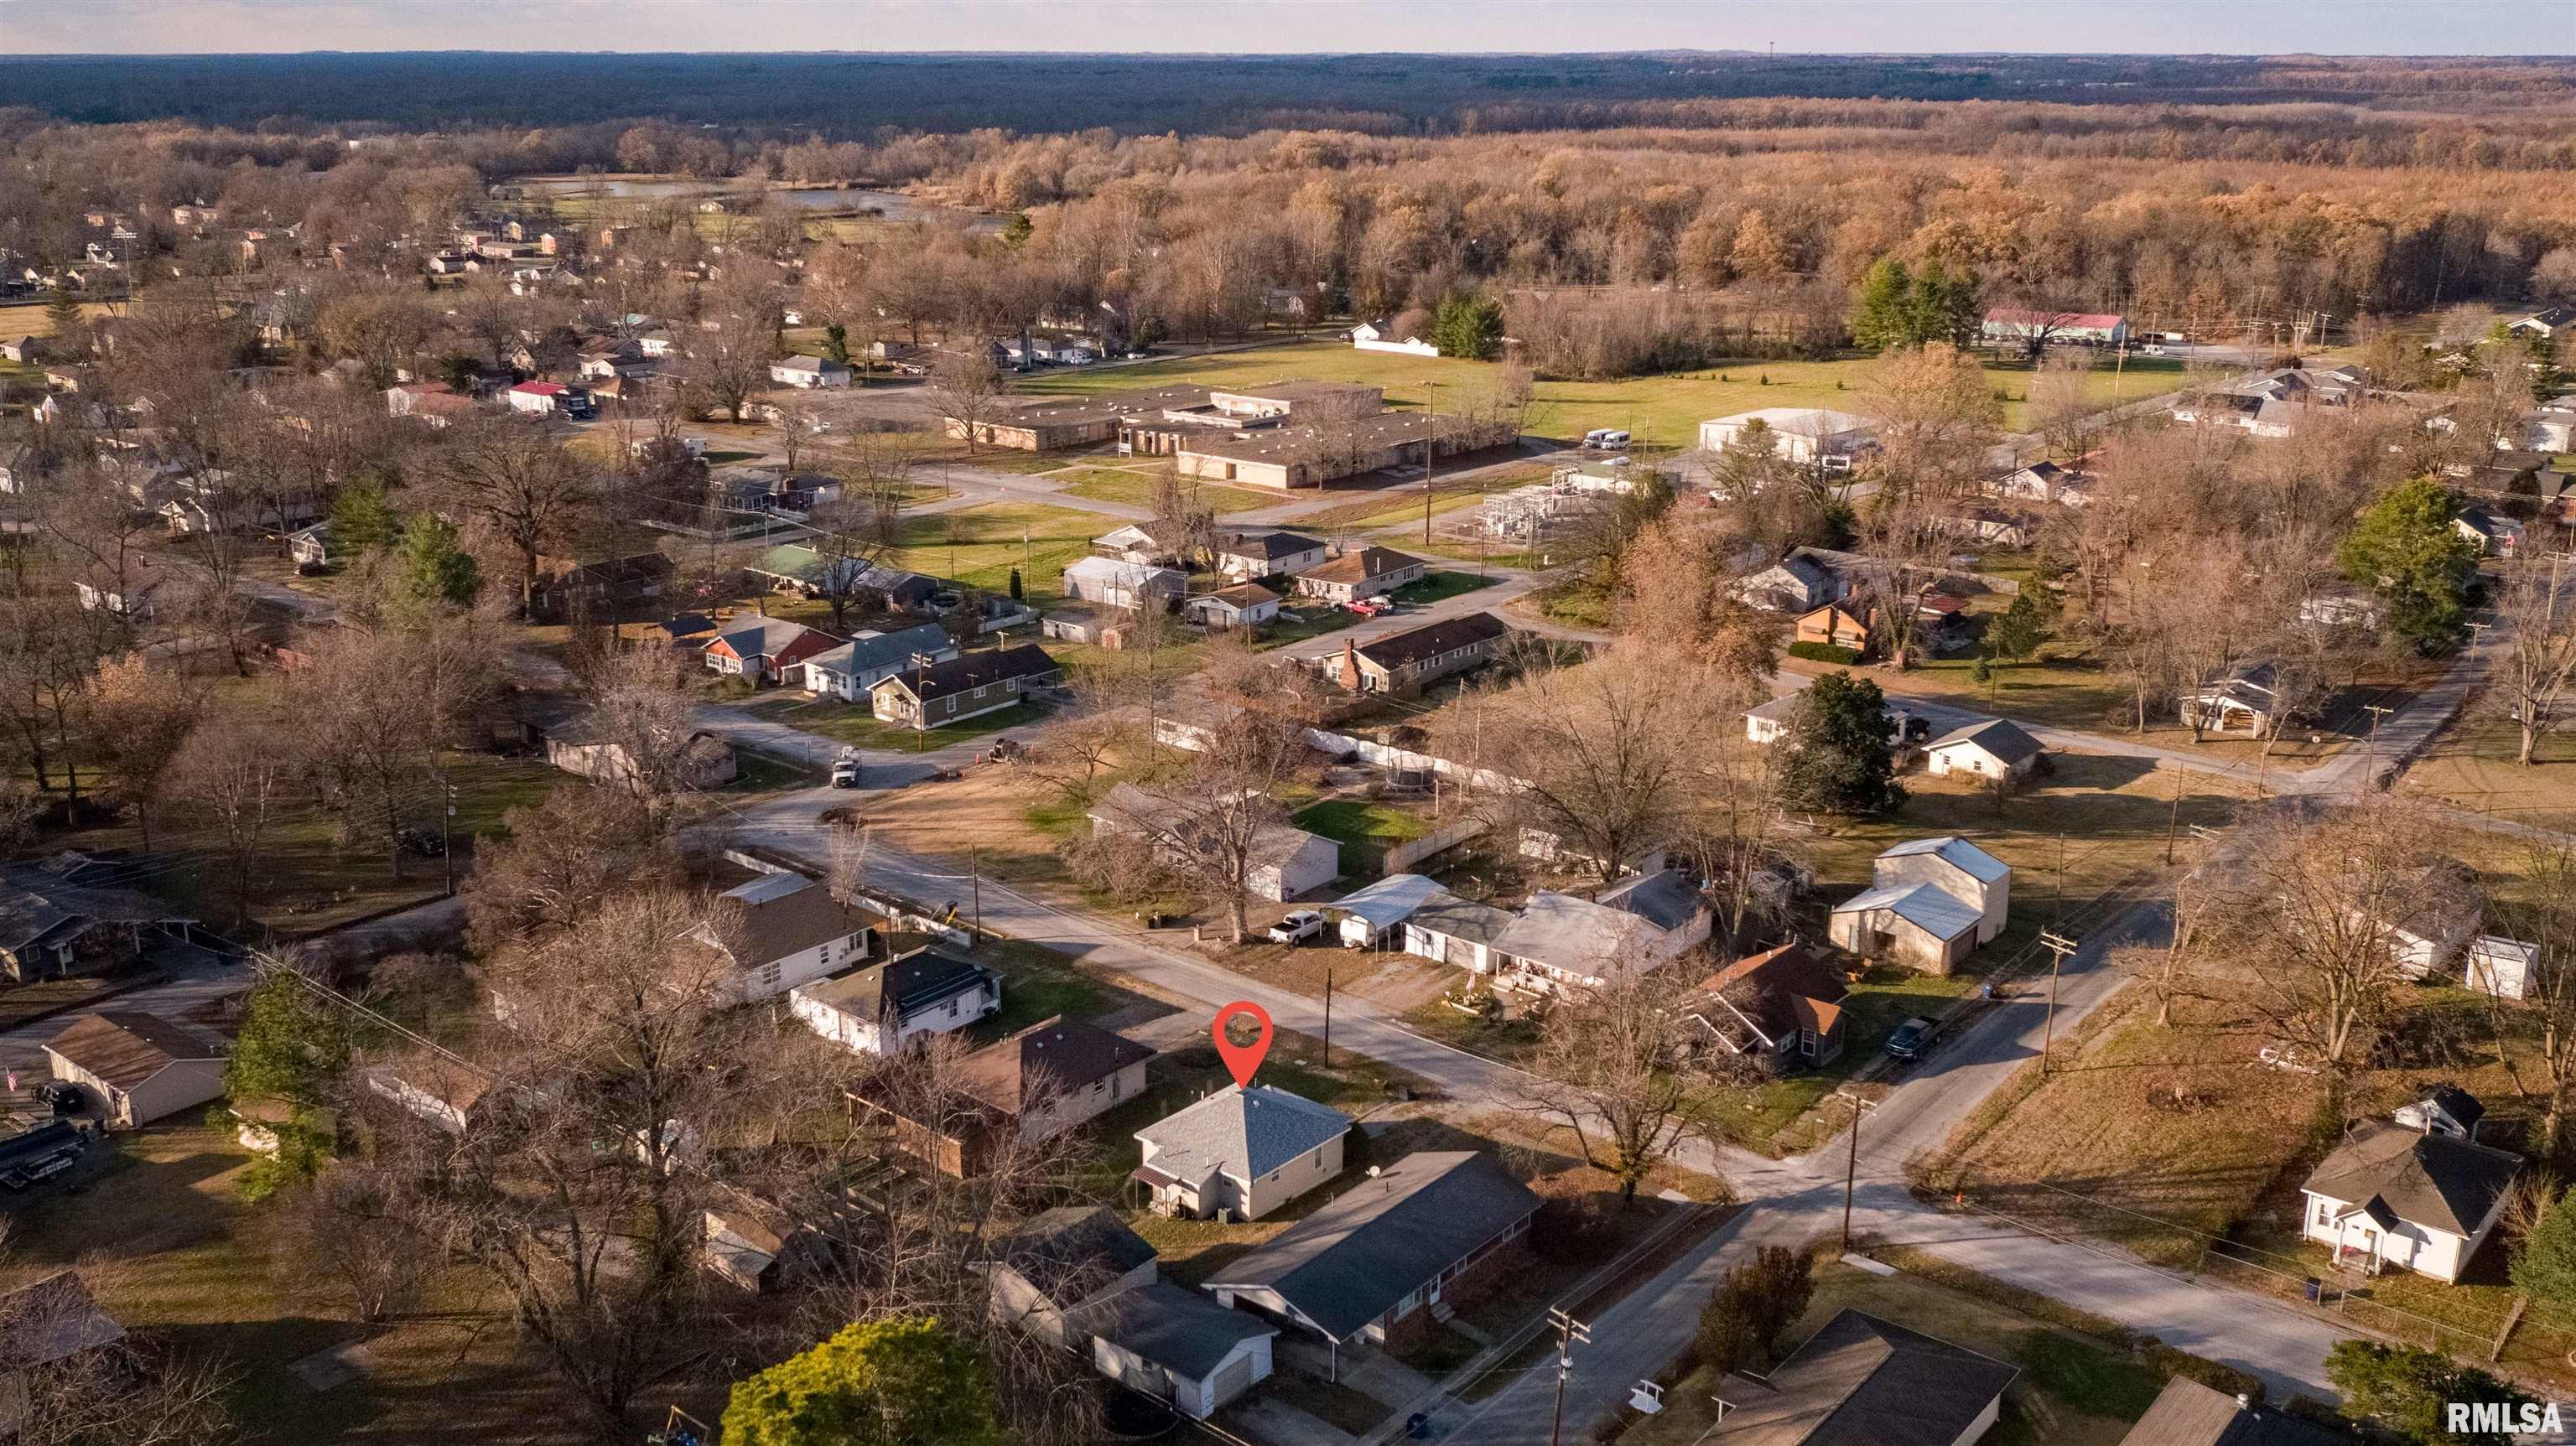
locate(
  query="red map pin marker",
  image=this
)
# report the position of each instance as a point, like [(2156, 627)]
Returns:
[(1242, 1059)]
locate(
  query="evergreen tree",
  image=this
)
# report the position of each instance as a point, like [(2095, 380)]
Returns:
[(1015, 585), (362, 518), (906, 1382), (1883, 313), (1944, 307), (1016, 231), (836, 343), (2018, 632), (2404, 546), (2546, 1268), (2407, 1390), (289, 1059), (1469, 326), (1837, 755), (63, 319), (1755, 1303), (434, 568)]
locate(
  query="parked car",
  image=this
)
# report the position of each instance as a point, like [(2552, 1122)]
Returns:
[(1302, 925), (1913, 1039), (422, 843), (1369, 607), (845, 769)]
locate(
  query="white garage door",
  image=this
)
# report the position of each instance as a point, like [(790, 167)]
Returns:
[(1232, 1379)]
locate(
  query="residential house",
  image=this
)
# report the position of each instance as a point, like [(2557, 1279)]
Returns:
[(1155, 543), (758, 1244), (2389, 1195), (2276, 403), (310, 546), (963, 687), (565, 588), (1176, 1345), (437, 1089), (1240, 1153), (1447, 929), (2187, 1413), (1052, 1275), (24, 349), (782, 930), (1805, 580), (435, 403), (65, 915), (1032, 1085), (547, 399), (1243, 605), (2249, 697), (1435, 1229), (1931, 902), (2016, 326), (2494, 534), (1364, 918), (42, 1325), (852, 670), (1996, 748), (878, 1008), (1828, 440), (140, 1067), (1834, 625), (1784, 1004), (1380, 336), (1561, 942), (1367, 573), (1863, 1381), (695, 760), (808, 373), (765, 649), (2041, 481), (1992, 526), (1403, 664), (1251, 556), (1285, 862), (1117, 584), (2544, 323)]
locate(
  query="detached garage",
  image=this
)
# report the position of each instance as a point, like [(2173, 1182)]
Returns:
[(1179, 1346), (140, 1067)]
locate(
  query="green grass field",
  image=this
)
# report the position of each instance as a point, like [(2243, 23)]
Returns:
[(1136, 489), (979, 546), (1662, 411)]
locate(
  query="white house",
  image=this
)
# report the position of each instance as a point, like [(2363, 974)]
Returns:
[(1240, 1153), (2545, 323), (878, 1008), (852, 670), (1252, 556), (1285, 862), (1931, 902), (1118, 584), (788, 930), (1244, 605), (2393, 1196), (2494, 534), (1827, 439), (139, 1067), (1364, 917), (1378, 336), (2502, 967), (808, 373), (1561, 942), (1996, 748), (541, 399)]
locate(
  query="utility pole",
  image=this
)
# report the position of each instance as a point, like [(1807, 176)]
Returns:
[(975, 877), (2058, 947), (2376, 712), (446, 843), (2476, 630), (1851, 1159), (1569, 1332), (1430, 454), (2173, 820), (1328, 1016)]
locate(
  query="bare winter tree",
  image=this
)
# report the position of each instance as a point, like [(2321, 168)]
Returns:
[(1210, 820), (527, 491), (1619, 1067), (2327, 905), (561, 859), (73, 1388), (638, 706), (2543, 915), (360, 1231), (2535, 665), (966, 388), (232, 781)]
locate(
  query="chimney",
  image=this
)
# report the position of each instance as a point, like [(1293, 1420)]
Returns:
[(1350, 666)]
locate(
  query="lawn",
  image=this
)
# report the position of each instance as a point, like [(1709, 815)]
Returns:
[(1661, 411), (2474, 765), (1440, 587), (1364, 828), (32, 319), (979, 546), (1888, 995), (2073, 1391), (1136, 488)]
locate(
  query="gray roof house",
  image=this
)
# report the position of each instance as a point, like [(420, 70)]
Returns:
[(1055, 1271), (850, 670), (1240, 1153), (1176, 1345), (1371, 1262), (1285, 862), (55, 921), (2391, 1196), (1996, 748), (1631, 927), (2191, 1414), (1862, 1381)]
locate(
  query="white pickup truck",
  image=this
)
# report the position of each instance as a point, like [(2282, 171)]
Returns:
[(845, 769)]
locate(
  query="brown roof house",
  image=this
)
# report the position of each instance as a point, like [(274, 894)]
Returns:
[(1784, 1004), (139, 1066), (1367, 573), (1401, 665), (1862, 1381), (757, 1244), (786, 930), (51, 1320), (2191, 1414), (1032, 1085)]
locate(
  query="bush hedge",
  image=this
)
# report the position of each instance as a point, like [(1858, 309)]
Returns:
[(1823, 653)]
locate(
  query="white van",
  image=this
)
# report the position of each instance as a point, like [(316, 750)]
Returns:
[(1605, 439)]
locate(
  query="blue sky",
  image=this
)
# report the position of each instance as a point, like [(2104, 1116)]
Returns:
[(2352, 27)]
